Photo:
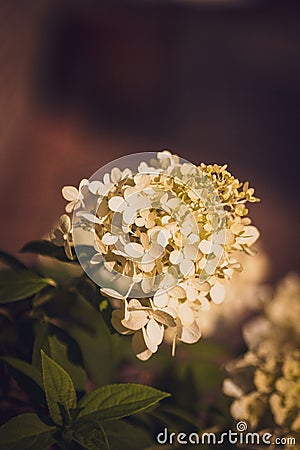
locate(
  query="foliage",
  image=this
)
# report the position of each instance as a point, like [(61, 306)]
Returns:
[(68, 420), (80, 384)]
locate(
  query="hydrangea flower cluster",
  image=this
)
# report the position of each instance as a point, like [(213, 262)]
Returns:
[(265, 382), (164, 238)]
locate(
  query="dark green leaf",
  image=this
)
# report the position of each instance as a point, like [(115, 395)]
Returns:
[(118, 400), (93, 339), (180, 414), (40, 342), (45, 248), (62, 350), (26, 432), (58, 387), (91, 436), (18, 285), (11, 261), (123, 436), (27, 369), (66, 305)]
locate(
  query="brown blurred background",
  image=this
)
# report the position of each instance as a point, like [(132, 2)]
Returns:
[(84, 82)]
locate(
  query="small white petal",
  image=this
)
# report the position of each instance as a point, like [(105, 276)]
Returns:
[(202, 263), (165, 317), (155, 250), (231, 389), (139, 346), (186, 314), (177, 292), (140, 222), (251, 234), (112, 293), (169, 279), (187, 267), (162, 238), (217, 292), (217, 250), (109, 239), (117, 316), (104, 189), (165, 219), (210, 266), (142, 180), (205, 246), (70, 193), (129, 192), (186, 229), (186, 168), (83, 182), (191, 293), (193, 238), (173, 203), (115, 175), (134, 250), (136, 320), (129, 215), (175, 257), (106, 178), (136, 278), (160, 299), (149, 343), (141, 202), (96, 259), (116, 204), (147, 263), (147, 284), (155, 331), (65, 223), (190, 334), (126, 173), (94, 186), (205, 304), (90, 217), (220, 237), (70, 206), (190, 251), (119, 252)]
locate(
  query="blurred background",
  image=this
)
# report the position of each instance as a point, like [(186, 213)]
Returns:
[(84, 82)]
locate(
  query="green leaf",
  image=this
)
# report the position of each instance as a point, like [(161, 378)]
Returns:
[(18, 285), (11, 261), (63, 349), (25, 368), (40, 342), (180, 414), (120, 436), (94, 341), (26, 432), (45, 248), (118, 400), (91, 436), (59, 388)]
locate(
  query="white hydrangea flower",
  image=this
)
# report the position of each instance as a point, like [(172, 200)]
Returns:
[(73, 195), (61, 235), (265, 381), (170, 230)]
